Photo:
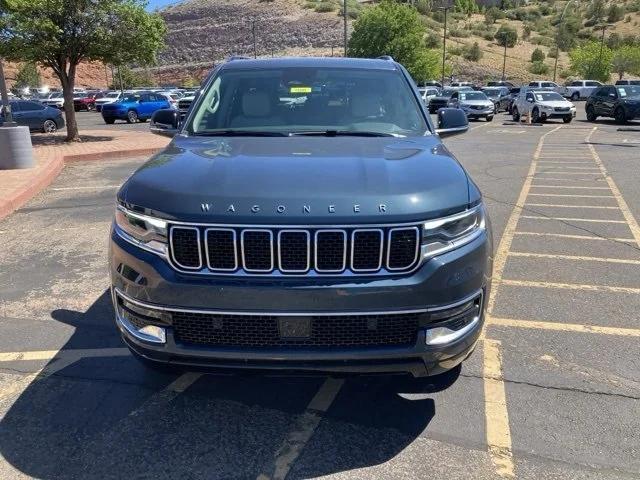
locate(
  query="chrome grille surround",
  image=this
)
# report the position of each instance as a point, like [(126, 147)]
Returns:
[(172, 250), (314, 233)]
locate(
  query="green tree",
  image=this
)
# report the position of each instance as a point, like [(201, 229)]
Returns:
[(506, 37), (626, 60), (395, 29), (27, 76), (595, 12), (472, 52), (468, 7), (537, 55), (589, 62), (132, 79), (492, 14), (60, 34)]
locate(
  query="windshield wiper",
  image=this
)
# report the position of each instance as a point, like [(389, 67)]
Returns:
[(342, 133), (238, 133)]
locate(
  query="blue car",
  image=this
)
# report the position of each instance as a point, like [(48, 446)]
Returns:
[(36, 116), (134, 107)]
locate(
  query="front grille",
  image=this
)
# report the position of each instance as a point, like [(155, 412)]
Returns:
[(184, 105), (289, 251), (561, 109), (262, 331)]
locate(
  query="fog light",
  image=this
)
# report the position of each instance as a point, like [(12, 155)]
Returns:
[(158, 333), (444, 335)]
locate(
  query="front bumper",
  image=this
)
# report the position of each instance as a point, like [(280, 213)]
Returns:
[(474, 113), (143, 277), (553, 114), (116, 114)]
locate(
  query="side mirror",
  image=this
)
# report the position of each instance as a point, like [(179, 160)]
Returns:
[(451, 121), (530, 100), (165, 122)]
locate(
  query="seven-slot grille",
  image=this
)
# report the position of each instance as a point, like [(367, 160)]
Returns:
[(291, 251)]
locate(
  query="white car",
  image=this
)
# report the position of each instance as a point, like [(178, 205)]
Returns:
[(544, 85), (111, 97), (55, 100), (475, 104), (542, 105), (578, 89), (427, 93)]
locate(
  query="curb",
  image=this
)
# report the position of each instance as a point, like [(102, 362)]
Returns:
[(49, 173)]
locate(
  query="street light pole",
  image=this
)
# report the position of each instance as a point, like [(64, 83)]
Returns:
[(504, 61), (344, 10), (253, 32), (444, 41), (555, 66), (6, 108)]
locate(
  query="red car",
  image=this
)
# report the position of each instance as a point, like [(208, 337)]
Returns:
[(86, 102)]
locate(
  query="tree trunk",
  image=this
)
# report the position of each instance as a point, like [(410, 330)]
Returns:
[(68, 80)]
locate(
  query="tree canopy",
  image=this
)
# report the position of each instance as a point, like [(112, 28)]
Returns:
[(506, 36), (395, 29), (626, 59), (27, 76), (588, 62), (60, 34)]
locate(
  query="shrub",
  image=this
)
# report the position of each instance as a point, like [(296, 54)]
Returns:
[(432, 40), (456, 51), (553, 53), (526, 31), (325, 7), (547, 42), (537, 56), (539, 68), (628, 19), (472, 52), (488, 35), (423, 6), (459, 33), (615, 13), (438, 16), (492, 14), (565, 73)]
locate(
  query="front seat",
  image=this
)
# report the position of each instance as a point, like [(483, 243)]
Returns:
[(257, 111), (365, 106)]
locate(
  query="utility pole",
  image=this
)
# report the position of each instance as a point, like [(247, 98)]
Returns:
[(444, 40), (106, 76), (253, 32), (344, 10), (604, 28), (120, 77), (504, 61), (555, 66), (6, 108)]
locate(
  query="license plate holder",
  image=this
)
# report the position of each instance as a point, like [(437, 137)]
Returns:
[(294, 327)]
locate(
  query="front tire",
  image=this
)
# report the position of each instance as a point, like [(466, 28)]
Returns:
[(515, 114), (109, 121), (132, 116), (49, 126), (575, 96), (591, 114), (567, 119), (620, 116), (489, 118), (535, 116)]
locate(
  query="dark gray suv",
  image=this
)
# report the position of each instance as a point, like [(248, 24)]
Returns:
[(306, 216)]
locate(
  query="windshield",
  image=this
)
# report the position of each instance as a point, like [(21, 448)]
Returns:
[(472, 96), (548, 96), (492, 92), (290, 99), (629, 90), (113, 95)]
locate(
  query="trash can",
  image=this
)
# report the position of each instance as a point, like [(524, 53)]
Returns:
[(15, 148)]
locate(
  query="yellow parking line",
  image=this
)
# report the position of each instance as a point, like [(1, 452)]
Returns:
[(563, 162), (538, 177), (574, 257), (563, 327), (556, 168), (570, 187), (571, 206), (576, 237), (568, 195), (496, 414), (556, 172), (51, 354), (569, 286), (631, 221), (567, 219)]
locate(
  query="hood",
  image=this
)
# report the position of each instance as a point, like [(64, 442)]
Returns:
[(477, 103), (555, 103), (299, 180)]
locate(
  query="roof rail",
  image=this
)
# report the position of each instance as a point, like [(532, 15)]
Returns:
[(236, 57), (388, 58)]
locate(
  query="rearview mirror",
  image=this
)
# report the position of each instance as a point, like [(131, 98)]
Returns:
[(451, 121), (165, 122)]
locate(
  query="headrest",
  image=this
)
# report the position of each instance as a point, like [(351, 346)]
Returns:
[(256, 104), (365, 105)]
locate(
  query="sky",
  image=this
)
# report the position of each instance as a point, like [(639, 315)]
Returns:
[(154, 4)]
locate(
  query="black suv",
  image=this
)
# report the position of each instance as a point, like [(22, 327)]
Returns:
[(305, 216), (621, 102)]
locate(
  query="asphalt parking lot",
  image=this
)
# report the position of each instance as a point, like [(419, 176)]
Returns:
[(551, 392)]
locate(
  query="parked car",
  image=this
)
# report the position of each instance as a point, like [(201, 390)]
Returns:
[(430, 83), (109, 97), (474, 104), (184, 103), (628, 82), (542, 105), (427, 93), (86, 102), (507, 102), (36, 116), (343, 275), (134, 107), (577, 89), (172, 98), (497, 95), (55, 100), (543, 85), (621, 102), (441, 100), (500, 83), (462, 84)]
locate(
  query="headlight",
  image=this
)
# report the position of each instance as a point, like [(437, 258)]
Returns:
[(141, 230), (445, 234)]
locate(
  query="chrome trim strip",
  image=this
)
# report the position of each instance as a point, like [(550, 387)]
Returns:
[(244, 263), (416, 254), (344, 250), (172, 258), (153, 306), (353, 234), (128, 238), (235, 249), (306, 232), (126, 325), (450, 337)]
